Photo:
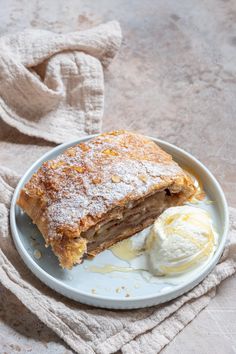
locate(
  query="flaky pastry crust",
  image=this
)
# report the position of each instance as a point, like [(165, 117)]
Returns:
[(71, 197)]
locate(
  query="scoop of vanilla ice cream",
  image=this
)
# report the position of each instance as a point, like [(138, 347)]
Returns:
[(180, 239)]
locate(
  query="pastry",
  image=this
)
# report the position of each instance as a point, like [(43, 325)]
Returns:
[(102, 191)]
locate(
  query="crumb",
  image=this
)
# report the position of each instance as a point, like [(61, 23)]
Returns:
[(79, 169), (117, 290), (143, 178), (115, 179), (123, 287), (37, 254), (127, 295), (93, 291), (110, 152), (96, 180), (137, 286)]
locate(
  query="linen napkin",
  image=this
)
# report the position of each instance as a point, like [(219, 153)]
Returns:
[(51, 85), (92, 330)]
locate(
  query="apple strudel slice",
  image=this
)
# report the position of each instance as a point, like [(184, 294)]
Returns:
[(102, 191)]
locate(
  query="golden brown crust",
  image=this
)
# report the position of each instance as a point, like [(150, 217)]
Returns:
[(84, 185)]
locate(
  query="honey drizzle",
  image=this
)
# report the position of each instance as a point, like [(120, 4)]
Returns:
[(200, 193), (109, 268), (124, 250)]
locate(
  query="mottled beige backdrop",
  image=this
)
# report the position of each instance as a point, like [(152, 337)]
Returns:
[(175, 78)]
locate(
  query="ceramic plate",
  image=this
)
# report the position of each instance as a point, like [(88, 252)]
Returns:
[(119, 289)]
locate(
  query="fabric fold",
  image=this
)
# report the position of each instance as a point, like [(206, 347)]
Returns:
[(52, 85), (92, 330)]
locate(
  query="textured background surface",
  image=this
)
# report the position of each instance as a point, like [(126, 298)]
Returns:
[(175, 78)]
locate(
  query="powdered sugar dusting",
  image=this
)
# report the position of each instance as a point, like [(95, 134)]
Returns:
[(92, 178)]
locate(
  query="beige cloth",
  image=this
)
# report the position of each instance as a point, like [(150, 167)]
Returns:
[(91, 330), (51, 85)]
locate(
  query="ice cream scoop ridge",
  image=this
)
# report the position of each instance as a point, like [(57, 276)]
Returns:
[(180, 239)]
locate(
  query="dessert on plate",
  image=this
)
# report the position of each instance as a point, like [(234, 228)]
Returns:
[(102, 191)]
